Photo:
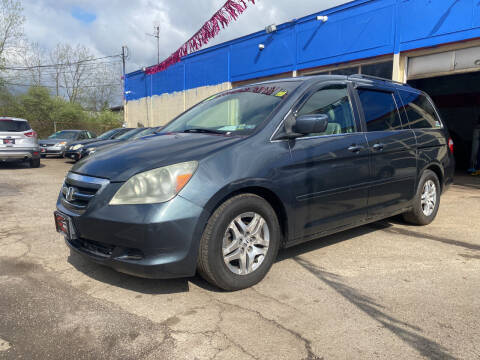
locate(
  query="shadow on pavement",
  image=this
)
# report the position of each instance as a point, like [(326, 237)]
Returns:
[(109, 276), (403, 330), (467, 181), (319, 243), (17, 165)]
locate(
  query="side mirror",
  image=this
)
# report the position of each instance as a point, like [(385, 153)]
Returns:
[(308, 124)]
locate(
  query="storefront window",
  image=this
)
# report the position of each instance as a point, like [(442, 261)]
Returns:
[(384, 69)]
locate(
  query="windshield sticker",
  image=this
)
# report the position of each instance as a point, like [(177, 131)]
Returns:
[(237, 127), (211, 97), (281, 93)]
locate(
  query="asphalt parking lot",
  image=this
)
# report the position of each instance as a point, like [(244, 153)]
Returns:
[(382, 291)]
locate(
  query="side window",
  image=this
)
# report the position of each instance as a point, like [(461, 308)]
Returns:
[(380, 110), (332, 101), (420, 112)]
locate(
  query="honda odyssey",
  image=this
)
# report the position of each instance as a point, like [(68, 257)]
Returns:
[(256, 168)]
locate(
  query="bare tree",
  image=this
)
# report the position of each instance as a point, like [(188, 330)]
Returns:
[(104, 87), (33, 57), (75, 73), (11, 26), (57, 57)]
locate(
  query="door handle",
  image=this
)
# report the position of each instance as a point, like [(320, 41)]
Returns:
[(355, 148), (378, 147)]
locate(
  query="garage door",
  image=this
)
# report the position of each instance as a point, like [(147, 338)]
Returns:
[(449, 62)]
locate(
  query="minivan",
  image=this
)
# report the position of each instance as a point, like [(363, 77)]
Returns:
[(256, 168)]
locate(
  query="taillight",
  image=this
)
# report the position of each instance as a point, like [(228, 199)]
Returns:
[(30, 134), (450, 145)]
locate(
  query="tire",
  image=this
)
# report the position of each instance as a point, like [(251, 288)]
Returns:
[(35, 163), (218, 235), (417, 216)]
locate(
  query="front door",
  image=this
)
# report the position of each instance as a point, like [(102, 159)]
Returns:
[(330, 170)]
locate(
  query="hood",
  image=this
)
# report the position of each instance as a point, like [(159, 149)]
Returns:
[(119, 163), (87, 141)]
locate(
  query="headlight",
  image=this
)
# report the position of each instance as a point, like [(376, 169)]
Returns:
[(62, 143), (155, 186), (76, 147)]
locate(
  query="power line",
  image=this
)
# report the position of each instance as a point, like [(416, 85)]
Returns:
[(56, 65), (62, 86)]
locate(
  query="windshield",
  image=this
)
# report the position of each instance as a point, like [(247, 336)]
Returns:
[(239, 111), (145, 132), (130, 134), (108, 134), (64, 134), (13, 125)]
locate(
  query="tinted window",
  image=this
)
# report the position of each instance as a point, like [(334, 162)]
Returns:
[(419, 110), (332, 101), (13, 125), (380, 110)]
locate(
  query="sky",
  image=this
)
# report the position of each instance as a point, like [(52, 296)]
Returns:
[(104, 26)]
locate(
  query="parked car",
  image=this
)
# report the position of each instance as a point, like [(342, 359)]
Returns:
[(74, 150), (18, 142), (256, 168), (105, 144), (57, 143)]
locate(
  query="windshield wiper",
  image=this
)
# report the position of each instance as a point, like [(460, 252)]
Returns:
[(206, 131)]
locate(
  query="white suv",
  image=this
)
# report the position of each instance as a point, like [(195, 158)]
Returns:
[(18, 142)]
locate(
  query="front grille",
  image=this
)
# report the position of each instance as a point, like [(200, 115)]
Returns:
[(94, 247), (79, 190)]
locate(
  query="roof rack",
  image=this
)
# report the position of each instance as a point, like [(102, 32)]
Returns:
[(370, 77)]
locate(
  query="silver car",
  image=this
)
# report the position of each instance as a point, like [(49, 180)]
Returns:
[(18, 142), (59, 142)]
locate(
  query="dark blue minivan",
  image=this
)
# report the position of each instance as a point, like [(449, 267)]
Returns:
[(259, 167)]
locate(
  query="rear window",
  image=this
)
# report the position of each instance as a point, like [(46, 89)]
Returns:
[(420, 111), (380, 110), (13, 125)]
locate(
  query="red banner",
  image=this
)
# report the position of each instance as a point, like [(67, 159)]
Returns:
[(229, 12)]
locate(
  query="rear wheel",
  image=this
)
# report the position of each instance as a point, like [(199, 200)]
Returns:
[(427, 200), (35, 163), (240, 243)]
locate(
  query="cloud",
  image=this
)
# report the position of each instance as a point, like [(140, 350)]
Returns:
[(114, 23)]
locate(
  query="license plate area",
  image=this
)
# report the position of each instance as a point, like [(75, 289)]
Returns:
[(64, 225), (9, 141)]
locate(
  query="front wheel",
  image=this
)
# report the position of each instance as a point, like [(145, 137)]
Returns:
[(240, 243), (426, 201)]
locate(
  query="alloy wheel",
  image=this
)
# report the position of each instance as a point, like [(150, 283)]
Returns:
[(245, 243)]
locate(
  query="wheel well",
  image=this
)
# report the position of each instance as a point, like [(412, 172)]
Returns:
[(268, 196), (438, 171)]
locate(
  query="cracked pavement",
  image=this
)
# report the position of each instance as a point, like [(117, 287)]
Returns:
[(384, 290)]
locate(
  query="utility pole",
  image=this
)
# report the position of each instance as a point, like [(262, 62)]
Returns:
[(124, 57), (156, 35)]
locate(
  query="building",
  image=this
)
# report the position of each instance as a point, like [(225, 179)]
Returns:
[(433, 45)]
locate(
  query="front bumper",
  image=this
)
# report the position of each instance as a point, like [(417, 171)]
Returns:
[(15, 154), (156, 241), (73, 154), (52, 150)]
